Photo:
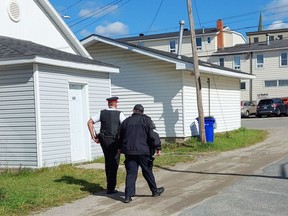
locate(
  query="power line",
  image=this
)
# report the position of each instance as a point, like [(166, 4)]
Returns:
[(101, 17), (155, 16), (94, 12), (71, 6)]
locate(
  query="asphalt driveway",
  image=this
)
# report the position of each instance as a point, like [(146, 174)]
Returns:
[(248, 181)]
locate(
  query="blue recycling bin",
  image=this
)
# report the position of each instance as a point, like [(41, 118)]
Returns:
[(209, 128)]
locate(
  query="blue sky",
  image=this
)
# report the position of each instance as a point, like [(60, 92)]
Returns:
[(126, 18)]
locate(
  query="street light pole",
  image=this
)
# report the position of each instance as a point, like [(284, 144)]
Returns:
[(196, 74)]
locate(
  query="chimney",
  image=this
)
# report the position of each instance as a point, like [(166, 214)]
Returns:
[(267, 39), (181, 23), (220, 36)]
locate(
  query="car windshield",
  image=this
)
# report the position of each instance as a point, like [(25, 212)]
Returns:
[(265, 102)]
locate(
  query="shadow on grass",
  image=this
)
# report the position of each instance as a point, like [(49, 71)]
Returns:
[(86, 186)]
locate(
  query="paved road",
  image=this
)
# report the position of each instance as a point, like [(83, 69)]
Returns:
[(249, 181)]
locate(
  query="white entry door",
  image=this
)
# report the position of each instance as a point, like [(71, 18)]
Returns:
[(79, 149)]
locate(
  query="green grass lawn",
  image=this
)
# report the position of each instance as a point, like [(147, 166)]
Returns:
[(25, 190)]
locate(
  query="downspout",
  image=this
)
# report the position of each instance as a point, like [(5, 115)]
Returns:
[(38, 116), (251, 72), (181, 23)]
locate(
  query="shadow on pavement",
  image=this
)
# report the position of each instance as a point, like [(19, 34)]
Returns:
[(283, 174)]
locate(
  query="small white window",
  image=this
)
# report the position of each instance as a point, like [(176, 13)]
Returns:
[(243, 85), (284, 59), (236, 63), (270, 83), (259, 61), (172, 46), (199, 43), (208, 40), (221, 62)]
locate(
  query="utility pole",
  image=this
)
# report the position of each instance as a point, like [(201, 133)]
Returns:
[(196, 74)]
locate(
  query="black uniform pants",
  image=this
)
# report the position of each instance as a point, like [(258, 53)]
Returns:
[(112, 158), (132, 163)]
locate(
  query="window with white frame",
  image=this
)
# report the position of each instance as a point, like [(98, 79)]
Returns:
[(172, 46), (283, 82), (260, 61), (236, 63), (208, 40), (221, 61), (284, 59), (270, 83), (199, 43), (276, 83), (243, 85)]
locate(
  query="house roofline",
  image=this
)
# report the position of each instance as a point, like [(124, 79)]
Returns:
[(58, 63), (67, 33), (182, 63)]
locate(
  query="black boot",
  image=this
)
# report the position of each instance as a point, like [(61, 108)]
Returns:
[(158, 192)]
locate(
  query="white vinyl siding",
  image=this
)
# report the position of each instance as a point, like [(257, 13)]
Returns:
[(17, 117), (163, 44), (224, 102), (273, 71), (35, 25), (54, 108), (153, 83)]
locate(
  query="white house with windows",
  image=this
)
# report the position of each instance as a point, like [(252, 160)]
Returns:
[(208, 40), (262, 36), (268, 60), (163, 83), (49, 86), (264, 56)]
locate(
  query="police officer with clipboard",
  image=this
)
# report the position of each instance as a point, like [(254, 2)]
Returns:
[(110, 120)]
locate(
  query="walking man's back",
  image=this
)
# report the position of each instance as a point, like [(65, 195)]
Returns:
[(139, 141)]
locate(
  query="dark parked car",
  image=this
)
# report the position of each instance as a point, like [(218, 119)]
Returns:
[(271, 106)]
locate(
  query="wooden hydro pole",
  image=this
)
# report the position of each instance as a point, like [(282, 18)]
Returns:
[(196, 74)]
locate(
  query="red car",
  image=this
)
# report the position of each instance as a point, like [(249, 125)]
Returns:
[(285, 100)]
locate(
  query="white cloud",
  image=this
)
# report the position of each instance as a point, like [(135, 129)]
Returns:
[(112, 29), (85, 33), (278, 25), (97, 11), (277, 9)]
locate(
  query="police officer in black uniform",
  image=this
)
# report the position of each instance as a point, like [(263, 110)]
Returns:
[(139, 140), (110, 120)]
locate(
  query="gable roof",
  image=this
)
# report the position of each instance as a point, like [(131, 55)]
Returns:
[(15, 51), (181, 62), (186, 32), (63, 28), (267, 31), (254, 47)]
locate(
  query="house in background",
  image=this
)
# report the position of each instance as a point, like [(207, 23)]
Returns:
[(208, 40), (162, 82), (267, 59), (264, 35), (49, 85)]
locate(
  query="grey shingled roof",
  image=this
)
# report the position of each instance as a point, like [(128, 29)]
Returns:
[(186, 32), (261, 46), (11, 48), (168, 54), (266, 31)]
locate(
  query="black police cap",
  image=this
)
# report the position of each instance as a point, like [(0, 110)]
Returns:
[(139, 107), (112, 99)]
